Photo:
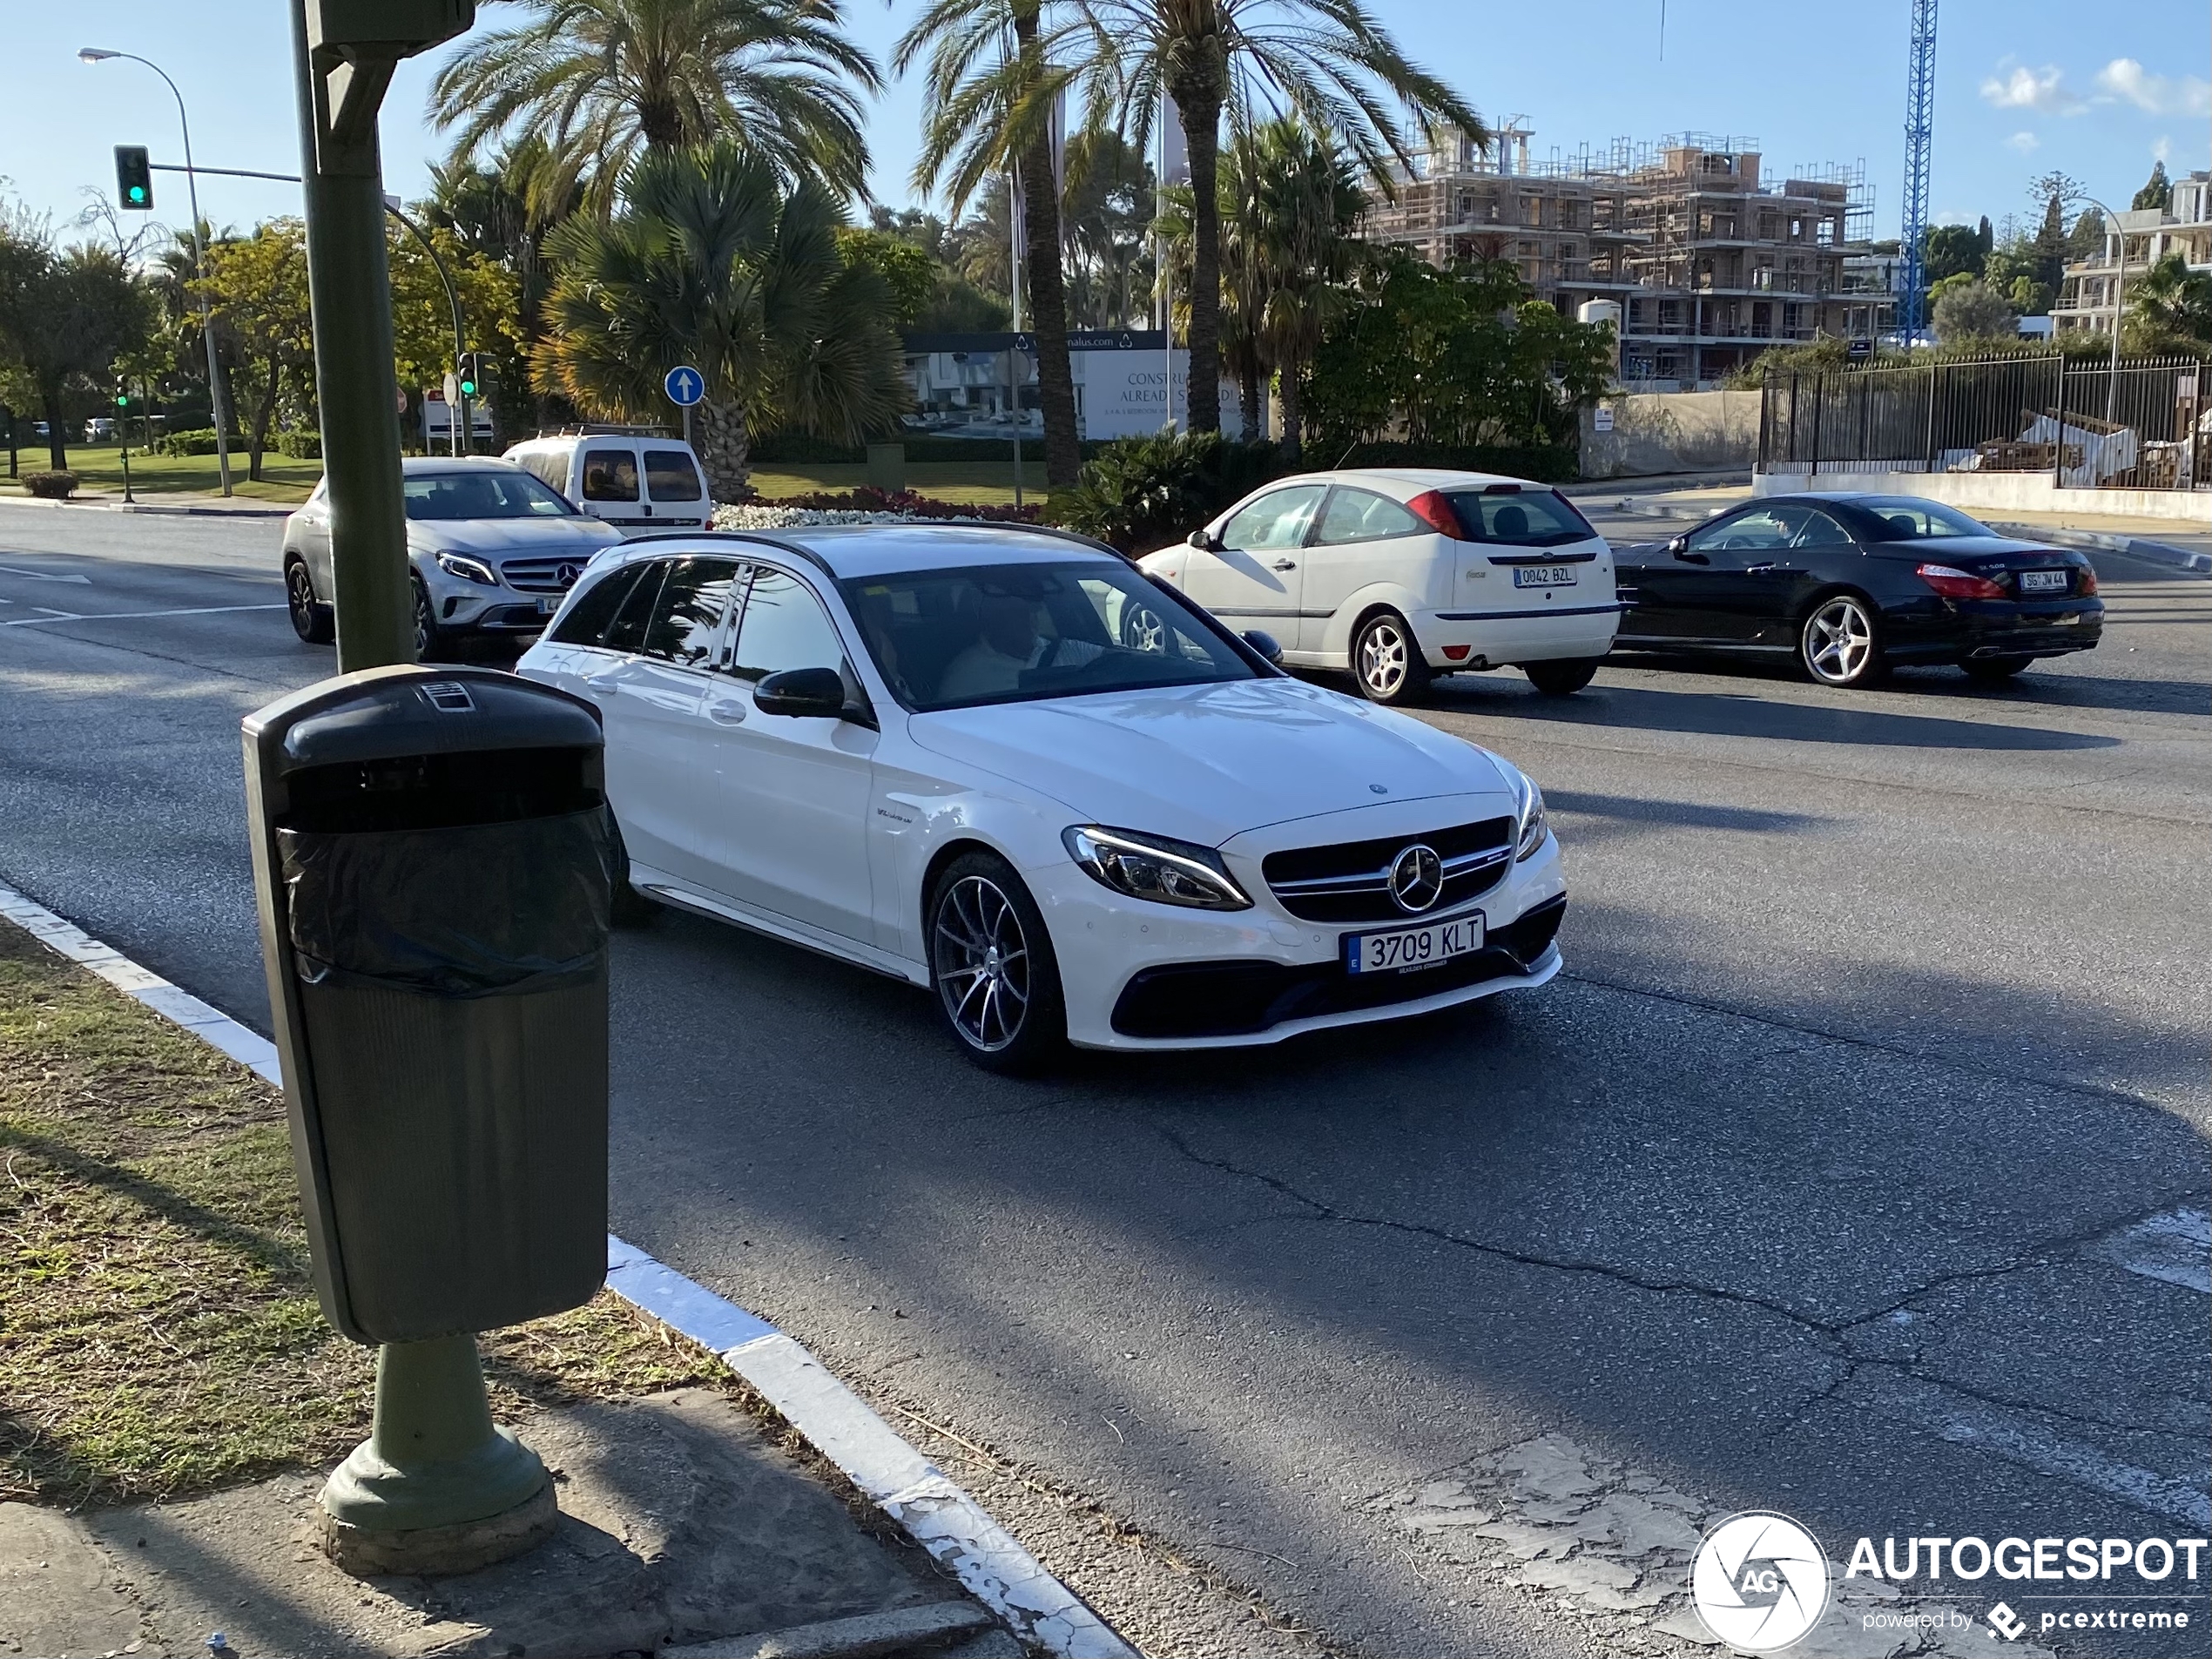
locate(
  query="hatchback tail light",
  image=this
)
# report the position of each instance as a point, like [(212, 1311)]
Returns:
[(1435, 510), (1954, 584)]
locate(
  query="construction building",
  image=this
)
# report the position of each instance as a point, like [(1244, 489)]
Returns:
[(1710, 264), (2089, 297)]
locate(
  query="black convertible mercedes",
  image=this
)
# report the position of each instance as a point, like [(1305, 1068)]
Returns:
[(1851, 585)]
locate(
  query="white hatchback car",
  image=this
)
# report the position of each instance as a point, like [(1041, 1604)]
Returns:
[(949, 753), (1399, 575)]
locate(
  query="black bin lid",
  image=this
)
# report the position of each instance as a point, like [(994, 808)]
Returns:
[(393, 713)]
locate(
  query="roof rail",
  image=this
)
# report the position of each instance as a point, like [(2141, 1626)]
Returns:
[(604, 430)]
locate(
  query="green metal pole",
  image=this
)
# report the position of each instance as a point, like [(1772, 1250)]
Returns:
[(436, 1487)]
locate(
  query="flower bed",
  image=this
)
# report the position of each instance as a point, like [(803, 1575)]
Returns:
[(866, 505)]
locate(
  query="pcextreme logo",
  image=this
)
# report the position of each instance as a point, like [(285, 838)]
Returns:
[(1759, 1581)]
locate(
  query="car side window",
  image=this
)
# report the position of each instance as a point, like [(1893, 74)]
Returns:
[(1820, 530), (587, 619), (687, 617), (1362, 515), (610, 475), (669, 475), (627, 631), (1754, 532), (1276, 520), (784, 626)]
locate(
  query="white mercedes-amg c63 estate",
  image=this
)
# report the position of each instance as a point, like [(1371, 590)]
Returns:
[(1006, 765)]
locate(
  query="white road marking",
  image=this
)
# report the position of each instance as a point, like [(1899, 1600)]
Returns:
[(129, 615), (44, 576), (2175, 1248)]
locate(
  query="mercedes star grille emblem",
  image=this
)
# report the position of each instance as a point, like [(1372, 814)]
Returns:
[(1417, 878), (567, 573)]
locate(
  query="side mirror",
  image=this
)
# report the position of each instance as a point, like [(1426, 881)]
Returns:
[(1265, 644), (1678, 543), (1679, 548), (806, 693), (1203, 541)]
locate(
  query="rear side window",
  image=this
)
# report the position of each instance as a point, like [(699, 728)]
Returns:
[(610, 475), (1518, 517), (586, 622), (628, 630), (783, 627), (687, 617), (669, 475), (1362, 515)]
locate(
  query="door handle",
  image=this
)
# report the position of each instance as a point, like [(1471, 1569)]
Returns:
[(1286, 564), (1759, 570), (726, 713)]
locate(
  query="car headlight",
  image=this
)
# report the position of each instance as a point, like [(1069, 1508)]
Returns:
[(1529, 828), (467, 569), (1152, 866)]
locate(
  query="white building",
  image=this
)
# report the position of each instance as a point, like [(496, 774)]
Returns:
[(2087, 296)]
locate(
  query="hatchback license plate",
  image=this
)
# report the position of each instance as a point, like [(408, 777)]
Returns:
[(1405, 947), (2042, 582), (1543, 576)]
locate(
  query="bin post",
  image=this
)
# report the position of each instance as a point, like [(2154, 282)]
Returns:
[(435, 1488)]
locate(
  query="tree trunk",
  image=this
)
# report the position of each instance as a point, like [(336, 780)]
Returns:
[(264, 412), (1048, 317), (1293, 409), (1248, 403), (57, 445), (724, 446), (1198, 102)]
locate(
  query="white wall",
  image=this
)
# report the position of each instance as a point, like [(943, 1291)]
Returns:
[(1662, 432), (2029, 492)]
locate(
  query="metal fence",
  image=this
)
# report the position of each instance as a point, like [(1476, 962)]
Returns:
[(2144, 425)]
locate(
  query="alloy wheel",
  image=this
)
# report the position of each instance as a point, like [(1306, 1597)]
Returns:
[(1839, 642), (1383, 653), (1144, 629), (426, 627), (981, 959), (299, 598)]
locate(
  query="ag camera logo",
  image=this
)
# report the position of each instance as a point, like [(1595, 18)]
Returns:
[(1760, 1582)]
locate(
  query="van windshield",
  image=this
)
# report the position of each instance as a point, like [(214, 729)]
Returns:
[(441, 496)]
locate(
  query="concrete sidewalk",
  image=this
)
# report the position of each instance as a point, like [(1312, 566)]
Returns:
[(180, 503)]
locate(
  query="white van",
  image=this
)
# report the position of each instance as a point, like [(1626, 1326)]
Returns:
[(635, 480)]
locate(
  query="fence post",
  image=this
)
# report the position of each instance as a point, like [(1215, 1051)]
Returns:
[(2058, 450), (1819, 403), (1935, 370), (1766, 400)]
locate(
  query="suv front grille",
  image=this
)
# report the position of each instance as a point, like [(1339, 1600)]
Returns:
[(1351, 881), (544, 576)]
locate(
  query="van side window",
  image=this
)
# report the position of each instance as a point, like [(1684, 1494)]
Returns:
[(610, 475), (586, 622), (669, 475)]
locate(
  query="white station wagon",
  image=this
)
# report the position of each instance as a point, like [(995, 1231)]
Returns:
[(1399, 575)]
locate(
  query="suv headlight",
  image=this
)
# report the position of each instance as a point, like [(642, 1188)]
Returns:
[(467, 569), (1529, 828), (1152, 866)]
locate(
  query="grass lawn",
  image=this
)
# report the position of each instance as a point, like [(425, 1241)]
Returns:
[(967, 481), (158, 1334), (101, 470)]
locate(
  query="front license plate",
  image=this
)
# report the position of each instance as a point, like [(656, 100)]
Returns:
[(548, 604), (1405, 947), (2042, 582), (1543, 576)]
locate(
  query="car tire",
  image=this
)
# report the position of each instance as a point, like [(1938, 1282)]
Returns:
[(1386, 661), (991, 969), (429, 638), (1563, 677), (626, 906), (1839, 643), (1143, 627), (315, 621), (1994, 668)]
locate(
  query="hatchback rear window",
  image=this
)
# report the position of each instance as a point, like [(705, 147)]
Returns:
[(1518, 517)]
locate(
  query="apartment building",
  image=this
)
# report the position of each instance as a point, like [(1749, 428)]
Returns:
[(1710, 263), (2089, 294)]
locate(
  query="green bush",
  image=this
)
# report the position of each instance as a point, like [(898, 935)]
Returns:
[(199, 442), (50, 486), (1544, 464), (300, 445), (1140, 494), (799, 449)]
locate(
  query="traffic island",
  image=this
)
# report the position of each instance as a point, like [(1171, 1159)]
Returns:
[(172, 1396)]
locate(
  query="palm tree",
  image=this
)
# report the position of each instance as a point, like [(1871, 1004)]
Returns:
[(2169, 309), (1107, 214), (713, 262), (601, 82), (990, 91), (1326, 61)]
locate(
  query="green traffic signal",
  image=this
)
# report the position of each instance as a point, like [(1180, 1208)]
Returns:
[(134, 177)]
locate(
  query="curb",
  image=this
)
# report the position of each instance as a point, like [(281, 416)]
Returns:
[(266, 509), (1637, 507), (1668, 481), (896, 1477), (2135, 547)]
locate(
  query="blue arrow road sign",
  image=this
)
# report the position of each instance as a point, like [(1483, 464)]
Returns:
[(685, 386)]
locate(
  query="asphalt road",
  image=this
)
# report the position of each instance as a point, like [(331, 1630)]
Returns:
[(1839, 1174)]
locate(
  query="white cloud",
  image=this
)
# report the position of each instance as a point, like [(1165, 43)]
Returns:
[(2025, 143), (2126, 79), (2162, 150), (2015, 87)]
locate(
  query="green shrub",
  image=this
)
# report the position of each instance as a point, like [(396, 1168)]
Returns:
[(1140, 494), (1543, 464), (50, 486), (300, 445), (199, 442)]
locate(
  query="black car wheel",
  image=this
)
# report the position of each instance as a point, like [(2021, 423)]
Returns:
[(1994, 668), (991, 962), (626, 905), (1387, 660), (1561, 678), (312, 621), (1840, 643), (428, 636)]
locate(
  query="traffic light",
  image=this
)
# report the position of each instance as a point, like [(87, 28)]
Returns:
[(472, 374), (133, 177), (121, 394)]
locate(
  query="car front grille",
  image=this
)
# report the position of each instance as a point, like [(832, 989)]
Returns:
[(544, 576), (1351, 881)]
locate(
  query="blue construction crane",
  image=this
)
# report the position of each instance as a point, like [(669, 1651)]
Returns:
[(1920, 134)]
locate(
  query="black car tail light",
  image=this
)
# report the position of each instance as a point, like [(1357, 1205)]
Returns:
[(2085, 582), (1954, 584)]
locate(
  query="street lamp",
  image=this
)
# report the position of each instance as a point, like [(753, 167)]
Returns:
[(2119, 294), (218, 404)]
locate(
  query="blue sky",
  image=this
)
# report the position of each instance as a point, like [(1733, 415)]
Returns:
[(2022, 86)]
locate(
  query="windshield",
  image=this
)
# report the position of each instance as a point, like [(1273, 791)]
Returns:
[(1518, 517), (1907, 518), (436, 495), (1015, 633)]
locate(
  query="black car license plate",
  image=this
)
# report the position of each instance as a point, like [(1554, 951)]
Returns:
[(2042, 582)]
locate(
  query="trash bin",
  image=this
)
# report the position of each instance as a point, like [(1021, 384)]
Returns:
[(431, 855)]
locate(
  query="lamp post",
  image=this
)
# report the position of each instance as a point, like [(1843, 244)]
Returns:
[(2119, 295), (218, 402)]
